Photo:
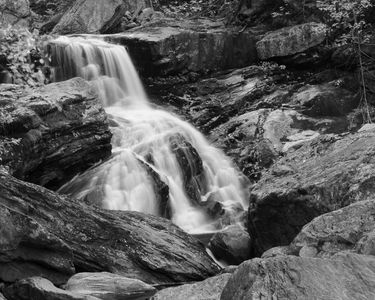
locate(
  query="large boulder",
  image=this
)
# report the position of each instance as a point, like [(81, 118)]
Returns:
[(49, 134), (291, 40), (209, 289), (38, 288), (45, 234), (15, 12), (351, 228), (109, 286), (232, 245), (95, 16), (168, 48), (323, 175), (348, 276)]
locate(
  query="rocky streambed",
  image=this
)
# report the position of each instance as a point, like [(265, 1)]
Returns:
[(294, 128)]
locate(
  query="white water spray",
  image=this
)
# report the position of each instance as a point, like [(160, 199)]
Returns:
[(148, 143)]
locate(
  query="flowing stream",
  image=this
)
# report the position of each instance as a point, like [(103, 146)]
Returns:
[(160, 164)]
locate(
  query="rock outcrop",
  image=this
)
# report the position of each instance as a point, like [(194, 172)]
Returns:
[(291, 40), (109, 286), (95, 16), (202, 46), (209, 289), (255, 115), (351, 228), (348, 276), (44, 234), (51, 133), (324, 175)]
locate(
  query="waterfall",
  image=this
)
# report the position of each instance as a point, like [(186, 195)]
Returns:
[(160, 164)]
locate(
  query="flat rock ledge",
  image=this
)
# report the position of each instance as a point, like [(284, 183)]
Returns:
[(169, 47)]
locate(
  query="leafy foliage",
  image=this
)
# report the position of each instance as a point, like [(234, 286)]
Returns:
[(347, 18), (22, 53)]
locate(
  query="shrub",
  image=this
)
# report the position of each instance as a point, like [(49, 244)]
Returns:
[(22, 54)]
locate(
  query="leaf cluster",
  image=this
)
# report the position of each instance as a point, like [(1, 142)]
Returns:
[(22, 54), (347, 19)]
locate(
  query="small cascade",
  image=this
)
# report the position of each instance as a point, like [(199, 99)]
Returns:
[(160, 164)]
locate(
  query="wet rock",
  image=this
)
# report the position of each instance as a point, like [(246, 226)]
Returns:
[(349, 276), (231, 245), (51, 133), (109, 286), (209, 289), (45, 234), (38, 288), (323, 175), (291, 40), (351, 228), (191, 166), (167, 48), (15, 12), (95, 16)]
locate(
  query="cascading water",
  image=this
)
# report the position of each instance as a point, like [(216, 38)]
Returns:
[(151, 148)]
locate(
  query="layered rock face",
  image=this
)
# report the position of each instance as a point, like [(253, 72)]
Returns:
[(51, 133), (93, 16), (168, 47), (44, 234)]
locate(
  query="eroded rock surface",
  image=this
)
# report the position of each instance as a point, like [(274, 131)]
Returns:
[(44, 234), (51, 133), (346, 277)]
